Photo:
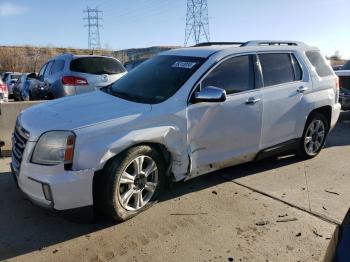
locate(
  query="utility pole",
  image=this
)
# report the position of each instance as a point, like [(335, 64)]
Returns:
[(93, 19), (197, 21)]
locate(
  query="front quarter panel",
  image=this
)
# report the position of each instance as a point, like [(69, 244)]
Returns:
[(96, 145)]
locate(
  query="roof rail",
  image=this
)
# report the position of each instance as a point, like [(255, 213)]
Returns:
[(218, 43), (268, 43)]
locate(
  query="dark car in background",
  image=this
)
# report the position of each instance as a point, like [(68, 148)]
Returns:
[(69, 74), (21, 88), (130, 65), (344, 98), (344, 85)]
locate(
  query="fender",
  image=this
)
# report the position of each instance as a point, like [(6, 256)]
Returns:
[(106, 147)]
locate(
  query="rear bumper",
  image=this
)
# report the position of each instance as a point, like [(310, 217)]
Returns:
[(335, 115), (4, 97)]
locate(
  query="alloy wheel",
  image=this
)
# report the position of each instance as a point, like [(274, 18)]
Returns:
[(314, 137), (138, 183)]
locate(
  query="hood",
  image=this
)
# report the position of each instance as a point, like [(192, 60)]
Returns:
[(342, 72), (77, 112)]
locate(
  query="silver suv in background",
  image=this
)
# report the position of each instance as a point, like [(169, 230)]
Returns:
[(69, 74)]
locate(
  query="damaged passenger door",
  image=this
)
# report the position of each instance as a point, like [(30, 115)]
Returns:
[(226, 132)]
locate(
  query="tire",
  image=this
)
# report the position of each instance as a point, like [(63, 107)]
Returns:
[(117, 187), (312, 140), (50, 96)]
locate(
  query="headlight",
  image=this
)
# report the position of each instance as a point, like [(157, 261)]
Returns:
[(54, 147)]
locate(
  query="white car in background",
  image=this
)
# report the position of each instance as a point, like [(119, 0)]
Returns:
[(179, 115), (10, 81), (3, 92)]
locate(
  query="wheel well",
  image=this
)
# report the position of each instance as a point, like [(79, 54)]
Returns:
[(326, 111), (98, 178)]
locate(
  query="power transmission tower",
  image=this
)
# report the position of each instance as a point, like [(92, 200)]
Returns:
[(197, 21), (93, 18)]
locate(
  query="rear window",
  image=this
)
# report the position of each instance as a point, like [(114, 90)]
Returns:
[(277, 69), (96, 66), (15, 77), (319, 63)]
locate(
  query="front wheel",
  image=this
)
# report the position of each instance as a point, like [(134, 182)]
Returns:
[(133, 182), (314, 136)]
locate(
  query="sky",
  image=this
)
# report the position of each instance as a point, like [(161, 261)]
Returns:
[(144, 23)]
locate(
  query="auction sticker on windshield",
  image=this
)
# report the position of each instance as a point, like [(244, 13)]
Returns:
[(181, 64)]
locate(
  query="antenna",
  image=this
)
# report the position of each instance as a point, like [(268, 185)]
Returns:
[(93, 23), (197, 21)]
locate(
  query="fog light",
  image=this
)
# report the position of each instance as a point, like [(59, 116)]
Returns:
[(47, 192)]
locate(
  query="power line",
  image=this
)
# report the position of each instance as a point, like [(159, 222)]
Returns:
[(197, 21), (93, 23)]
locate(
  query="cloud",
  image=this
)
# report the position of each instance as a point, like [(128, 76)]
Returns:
[(10, 9)]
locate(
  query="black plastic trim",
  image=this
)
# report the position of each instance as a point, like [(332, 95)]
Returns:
[(289, 145)]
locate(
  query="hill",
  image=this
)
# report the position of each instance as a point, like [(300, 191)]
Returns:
[(31, 58)]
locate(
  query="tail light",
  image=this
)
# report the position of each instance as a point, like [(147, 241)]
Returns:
[(3, 88), (74, 81)]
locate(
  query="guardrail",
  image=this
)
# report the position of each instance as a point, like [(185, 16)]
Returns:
[(8, 115)]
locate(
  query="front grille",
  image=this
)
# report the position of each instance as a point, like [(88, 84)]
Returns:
[(19, 140), (344, 82)]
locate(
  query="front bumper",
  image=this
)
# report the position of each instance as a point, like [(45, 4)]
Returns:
[(68, 189), (335, 115)]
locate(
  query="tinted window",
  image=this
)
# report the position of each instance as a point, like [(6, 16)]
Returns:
[(298, 73), (346, 66), (234, 75), (48, 68), (319, 63), (96, 65), (57, 66), (15, 77), (276, 69), (155, 80)]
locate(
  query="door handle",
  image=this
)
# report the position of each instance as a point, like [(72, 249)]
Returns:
[(302, 89), (252, 100)]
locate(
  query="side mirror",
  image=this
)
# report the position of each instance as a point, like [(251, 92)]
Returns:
[(210, 94), (32, 76)]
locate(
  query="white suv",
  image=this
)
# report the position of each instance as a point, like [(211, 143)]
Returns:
[(182, 114)]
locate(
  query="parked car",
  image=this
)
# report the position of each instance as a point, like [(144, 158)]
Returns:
[(130, 65), (21, 87), (344, 99), (10, 81), (337, 67), (4, 75), (69, 74), (181, 114), (344, 83), (3, 92)]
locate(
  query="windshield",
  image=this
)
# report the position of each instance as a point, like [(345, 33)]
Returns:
[(155, 80)]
